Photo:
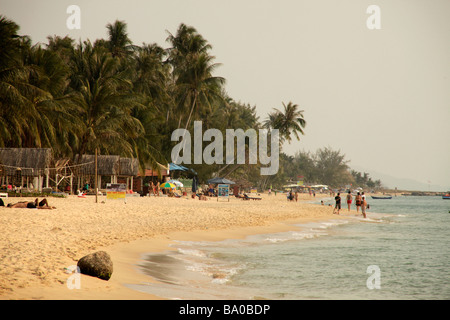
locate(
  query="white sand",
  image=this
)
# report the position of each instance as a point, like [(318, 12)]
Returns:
[(36, 245)]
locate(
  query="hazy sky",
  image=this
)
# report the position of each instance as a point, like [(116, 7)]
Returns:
[(382, 97)]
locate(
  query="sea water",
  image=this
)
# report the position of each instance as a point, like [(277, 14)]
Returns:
[(400, 251)]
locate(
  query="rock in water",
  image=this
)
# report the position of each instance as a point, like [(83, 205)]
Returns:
[(98, 264)]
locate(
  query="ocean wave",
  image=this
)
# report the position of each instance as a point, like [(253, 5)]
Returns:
[(292, 236), (192, 252)]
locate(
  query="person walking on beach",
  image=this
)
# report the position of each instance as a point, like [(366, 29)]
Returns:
[(338, 204), (349, 199), (363, 206), (358, 201)]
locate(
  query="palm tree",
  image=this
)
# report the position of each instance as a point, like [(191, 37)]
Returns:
[(119, 43), (151, 74), (185, 43), (52, 110), (64, 47), (13, 78), (103, 95), (289, 121), (151, 81), (31, 82), (195, 86)]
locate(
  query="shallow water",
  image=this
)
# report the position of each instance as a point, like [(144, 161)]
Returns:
[(400, 252)]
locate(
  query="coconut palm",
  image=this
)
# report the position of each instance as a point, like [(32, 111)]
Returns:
[(31, 79), (289, 121), (193, 67), (119, 44), (151, 74), (13, 81), (185, 43), (197, 87), (103, 95)]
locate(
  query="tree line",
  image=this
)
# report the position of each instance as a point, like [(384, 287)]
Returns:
[(325, 166), (126, 99)]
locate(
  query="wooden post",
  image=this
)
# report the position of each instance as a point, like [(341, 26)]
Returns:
[(96, 178)]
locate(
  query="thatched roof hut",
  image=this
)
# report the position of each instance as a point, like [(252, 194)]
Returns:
[(106, 165), (128, 167), (32, 162)]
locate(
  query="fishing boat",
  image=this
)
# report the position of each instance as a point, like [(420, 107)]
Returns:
[(382, 197), (446, 196)]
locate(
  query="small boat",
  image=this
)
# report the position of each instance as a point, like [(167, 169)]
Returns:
[(382, 197), (446, 196)]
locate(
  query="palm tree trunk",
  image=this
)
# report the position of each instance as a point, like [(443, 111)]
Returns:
[(192, 109), (189, 119)]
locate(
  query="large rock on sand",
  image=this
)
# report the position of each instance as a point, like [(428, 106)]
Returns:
[(98, 264)]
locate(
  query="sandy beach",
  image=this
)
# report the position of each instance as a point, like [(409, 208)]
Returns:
[(36, 246)]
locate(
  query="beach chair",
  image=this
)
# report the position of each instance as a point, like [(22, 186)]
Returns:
[(250, 198)]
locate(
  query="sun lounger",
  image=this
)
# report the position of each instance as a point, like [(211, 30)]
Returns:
[(246, 197)]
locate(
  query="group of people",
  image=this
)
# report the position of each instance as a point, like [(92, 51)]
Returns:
[(154, 188), (360, 202), (36, 204)]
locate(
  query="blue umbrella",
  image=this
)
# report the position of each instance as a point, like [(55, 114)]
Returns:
[(220, 181)]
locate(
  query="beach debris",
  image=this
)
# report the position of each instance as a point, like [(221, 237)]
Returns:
[(97, 264)]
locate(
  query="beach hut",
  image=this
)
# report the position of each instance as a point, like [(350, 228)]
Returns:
[(28, 166), (128, 170), (108, 168)]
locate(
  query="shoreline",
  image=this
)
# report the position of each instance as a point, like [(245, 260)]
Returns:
[(126, 253)]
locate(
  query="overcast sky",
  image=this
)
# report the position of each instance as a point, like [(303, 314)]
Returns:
[(381, 97)]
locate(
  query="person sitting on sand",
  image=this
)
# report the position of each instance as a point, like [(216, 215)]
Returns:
[(32, 205)]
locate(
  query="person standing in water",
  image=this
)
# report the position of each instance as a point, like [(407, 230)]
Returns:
[(349, 199), (338, 203), (363, 207), (358, 202)]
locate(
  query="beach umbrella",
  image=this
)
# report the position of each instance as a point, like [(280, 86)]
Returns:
[(176, 183), (220, 181), (167, 185)]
